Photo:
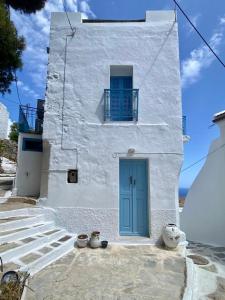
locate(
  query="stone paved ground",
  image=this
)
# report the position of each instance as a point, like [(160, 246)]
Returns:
[(212, 275), (118, 272)]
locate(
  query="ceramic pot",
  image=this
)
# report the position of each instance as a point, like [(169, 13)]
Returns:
[(104, 244), (171, 235), (82, 240), (95, 239)]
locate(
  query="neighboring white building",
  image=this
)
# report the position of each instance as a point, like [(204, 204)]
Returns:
[(203, 218), (4, 121), (112, 139)]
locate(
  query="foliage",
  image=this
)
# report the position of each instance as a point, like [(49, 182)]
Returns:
[(11, 48), (2, 147), (14, 132), (26, 6)]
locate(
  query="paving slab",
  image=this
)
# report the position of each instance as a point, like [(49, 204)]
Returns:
[(118, 272)]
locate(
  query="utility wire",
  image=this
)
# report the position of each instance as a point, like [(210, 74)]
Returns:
[(12, 101), (65, 9), (201, 36), (206, 156), (17, 90)]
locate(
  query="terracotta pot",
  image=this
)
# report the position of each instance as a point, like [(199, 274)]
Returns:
[(95, 239), (171, 235), (82, 240)]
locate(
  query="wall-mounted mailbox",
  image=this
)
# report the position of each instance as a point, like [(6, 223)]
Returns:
[(72, 176)]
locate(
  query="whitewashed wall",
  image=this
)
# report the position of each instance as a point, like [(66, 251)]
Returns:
[(28, 173), (79, 138), (203, 216), (4, 121)]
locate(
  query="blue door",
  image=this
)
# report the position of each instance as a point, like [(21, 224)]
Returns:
[(121, 98), (133, 197)]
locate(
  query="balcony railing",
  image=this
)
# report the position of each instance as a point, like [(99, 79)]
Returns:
[(121, 105), (31, 119)]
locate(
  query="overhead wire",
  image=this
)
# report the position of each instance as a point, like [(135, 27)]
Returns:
[(202, 158), (17, 89), (67, 16), (198, 32)]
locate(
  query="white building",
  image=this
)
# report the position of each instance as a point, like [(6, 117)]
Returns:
[(4, 121), (112, 138), (203, 218)]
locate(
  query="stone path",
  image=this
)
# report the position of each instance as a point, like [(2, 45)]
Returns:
[(211, 276), (118, 272)]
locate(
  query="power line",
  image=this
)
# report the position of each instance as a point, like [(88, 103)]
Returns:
[(64, 6), (11, 101), (17, 90), (201, 36), (206, 156)]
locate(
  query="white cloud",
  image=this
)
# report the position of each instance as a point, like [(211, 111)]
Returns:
[(35, 29), (201, 58), (86, 10), (27, 90)]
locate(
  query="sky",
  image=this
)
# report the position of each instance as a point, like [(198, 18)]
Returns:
[(203, 92)]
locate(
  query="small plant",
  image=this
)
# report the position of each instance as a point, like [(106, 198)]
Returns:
[(95, 234), (13, 290)]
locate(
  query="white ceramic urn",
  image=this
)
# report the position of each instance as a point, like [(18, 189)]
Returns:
[(171, 235)]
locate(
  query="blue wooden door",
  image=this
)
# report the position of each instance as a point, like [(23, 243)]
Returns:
[(121, 98), (133, 197)]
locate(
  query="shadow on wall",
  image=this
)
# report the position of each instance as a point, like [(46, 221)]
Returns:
[(100, 109)]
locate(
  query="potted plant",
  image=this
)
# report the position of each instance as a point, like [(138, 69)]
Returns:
[(82, 240), (95, 239)]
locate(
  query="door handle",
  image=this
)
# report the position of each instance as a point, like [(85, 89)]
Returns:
[(131, 180), (134, 181)]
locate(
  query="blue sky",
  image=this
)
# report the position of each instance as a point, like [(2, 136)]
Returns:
[(203, 91)]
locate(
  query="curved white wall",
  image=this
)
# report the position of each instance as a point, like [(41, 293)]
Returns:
[(4, 120), (203, 216)]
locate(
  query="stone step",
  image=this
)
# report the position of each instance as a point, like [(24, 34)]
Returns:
[(29, 247), (47, 226), (22, 223), (50, 257), (31, 211), (28, 200)]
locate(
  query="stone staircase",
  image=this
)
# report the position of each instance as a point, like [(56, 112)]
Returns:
[(30, 239)]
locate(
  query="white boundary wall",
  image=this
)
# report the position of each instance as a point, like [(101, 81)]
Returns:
[(4, 121), (202, 217)]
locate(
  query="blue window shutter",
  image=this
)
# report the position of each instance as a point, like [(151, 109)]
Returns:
[(121, 98)]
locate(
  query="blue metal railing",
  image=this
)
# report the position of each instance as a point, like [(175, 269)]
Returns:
[(121, 105), (31, 119), (184, 125)]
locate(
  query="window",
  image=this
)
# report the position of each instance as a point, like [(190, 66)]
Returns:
[(32, 144), (121, 100)]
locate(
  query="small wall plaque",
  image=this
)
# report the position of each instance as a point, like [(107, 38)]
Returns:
[(72, 176)]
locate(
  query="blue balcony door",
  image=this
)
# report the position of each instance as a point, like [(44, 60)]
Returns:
[(133, 197), (121, 98)]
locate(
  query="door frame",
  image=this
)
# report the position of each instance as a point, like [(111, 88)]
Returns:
[(147, 196)]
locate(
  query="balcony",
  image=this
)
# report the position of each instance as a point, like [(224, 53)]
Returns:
[(31, 119), (121, 104)]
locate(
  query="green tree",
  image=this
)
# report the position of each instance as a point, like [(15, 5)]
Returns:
[(14, 132), (11, 47), (26, 6)]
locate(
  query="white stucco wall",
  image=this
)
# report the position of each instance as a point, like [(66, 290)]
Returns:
[(202, 217), (28, 173), (4, 120), (79, 138)]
